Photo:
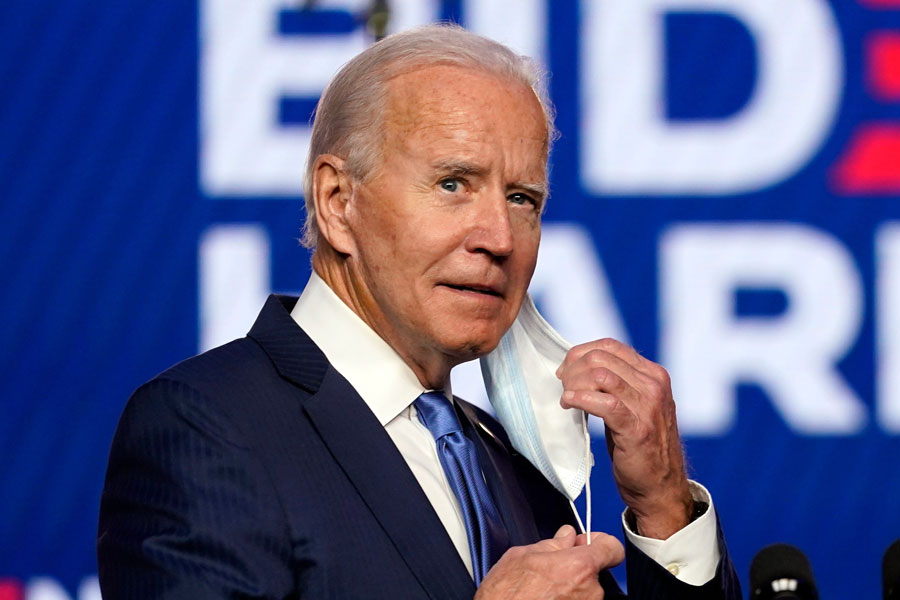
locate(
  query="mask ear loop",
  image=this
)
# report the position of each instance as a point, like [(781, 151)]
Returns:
[(589, 462)]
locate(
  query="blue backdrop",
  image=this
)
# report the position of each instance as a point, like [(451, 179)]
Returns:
[(726, 197)]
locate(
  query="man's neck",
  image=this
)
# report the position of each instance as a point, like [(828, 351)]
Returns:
[(432, 368)]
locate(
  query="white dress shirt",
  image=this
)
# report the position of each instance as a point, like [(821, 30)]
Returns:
[(389, 387)]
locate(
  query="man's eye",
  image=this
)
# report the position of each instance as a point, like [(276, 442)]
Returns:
[(450, 185), (521, 199)]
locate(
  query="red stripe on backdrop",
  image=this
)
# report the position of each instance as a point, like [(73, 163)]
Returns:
[(868, 165), (880, 3), (883, 66), (11, 589)]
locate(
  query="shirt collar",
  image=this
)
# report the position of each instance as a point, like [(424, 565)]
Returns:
[(378, 374)]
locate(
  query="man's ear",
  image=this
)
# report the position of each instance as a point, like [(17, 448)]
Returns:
[(332, 190)]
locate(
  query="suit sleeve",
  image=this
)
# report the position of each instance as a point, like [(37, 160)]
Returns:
[(186, 510), (648, 580)]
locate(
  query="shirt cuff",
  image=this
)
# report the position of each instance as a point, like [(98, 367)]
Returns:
[(690, 554)]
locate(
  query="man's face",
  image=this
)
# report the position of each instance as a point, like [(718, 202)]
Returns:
[(447, 228)]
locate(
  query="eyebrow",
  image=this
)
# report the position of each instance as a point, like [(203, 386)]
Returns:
[(460, 167), (536, 189)]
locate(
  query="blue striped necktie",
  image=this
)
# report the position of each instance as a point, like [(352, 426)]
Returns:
[(487, 536)]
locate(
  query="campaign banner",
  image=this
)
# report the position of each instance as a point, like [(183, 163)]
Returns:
[(725, 197)]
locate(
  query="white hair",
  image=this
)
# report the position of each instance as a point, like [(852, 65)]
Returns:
[(350, 113)]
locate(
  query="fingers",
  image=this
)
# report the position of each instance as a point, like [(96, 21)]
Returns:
[(609, 366), (612, 553), (611, 380), (581, 539), (563, 566), (565, 531), (565, 537), (573, 551), (610, 346), (603, 393), (601, 372), (616, 413), (604, 551)]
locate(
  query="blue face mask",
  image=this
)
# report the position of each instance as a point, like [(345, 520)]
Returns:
[(521, 383)]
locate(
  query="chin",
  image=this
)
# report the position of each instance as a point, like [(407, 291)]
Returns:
[(467, 338), (475, 350), (471, 347)]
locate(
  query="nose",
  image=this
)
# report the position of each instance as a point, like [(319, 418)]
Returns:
[(491, 229)]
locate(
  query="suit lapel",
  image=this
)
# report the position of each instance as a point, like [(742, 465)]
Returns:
[(378, 472), (365, 452)]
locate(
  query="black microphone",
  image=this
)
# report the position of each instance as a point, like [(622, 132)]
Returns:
[(890, 572), (781, 571)]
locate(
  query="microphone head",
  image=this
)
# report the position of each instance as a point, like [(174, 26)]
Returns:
[(890, 572), (782, 571)]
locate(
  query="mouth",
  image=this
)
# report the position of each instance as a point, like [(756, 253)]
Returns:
[(474, 288)]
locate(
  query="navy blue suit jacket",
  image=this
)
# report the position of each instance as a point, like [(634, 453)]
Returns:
[(256, 471)]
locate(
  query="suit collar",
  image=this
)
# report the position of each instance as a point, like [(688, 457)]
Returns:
[(374, 369), (294, 355)]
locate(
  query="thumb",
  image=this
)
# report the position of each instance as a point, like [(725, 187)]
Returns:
[(605, 550), (562, 539), (564, 532)]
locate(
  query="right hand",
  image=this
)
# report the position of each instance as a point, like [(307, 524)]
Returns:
[(562, 567)]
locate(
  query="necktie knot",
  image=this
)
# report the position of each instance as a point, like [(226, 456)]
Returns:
[(437, 414)]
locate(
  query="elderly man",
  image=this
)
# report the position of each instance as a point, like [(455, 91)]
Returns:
[(323, 454)]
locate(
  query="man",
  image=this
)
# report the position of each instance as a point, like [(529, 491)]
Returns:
[(300, 461)]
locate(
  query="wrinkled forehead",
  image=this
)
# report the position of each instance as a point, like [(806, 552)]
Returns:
[(432, 98)]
